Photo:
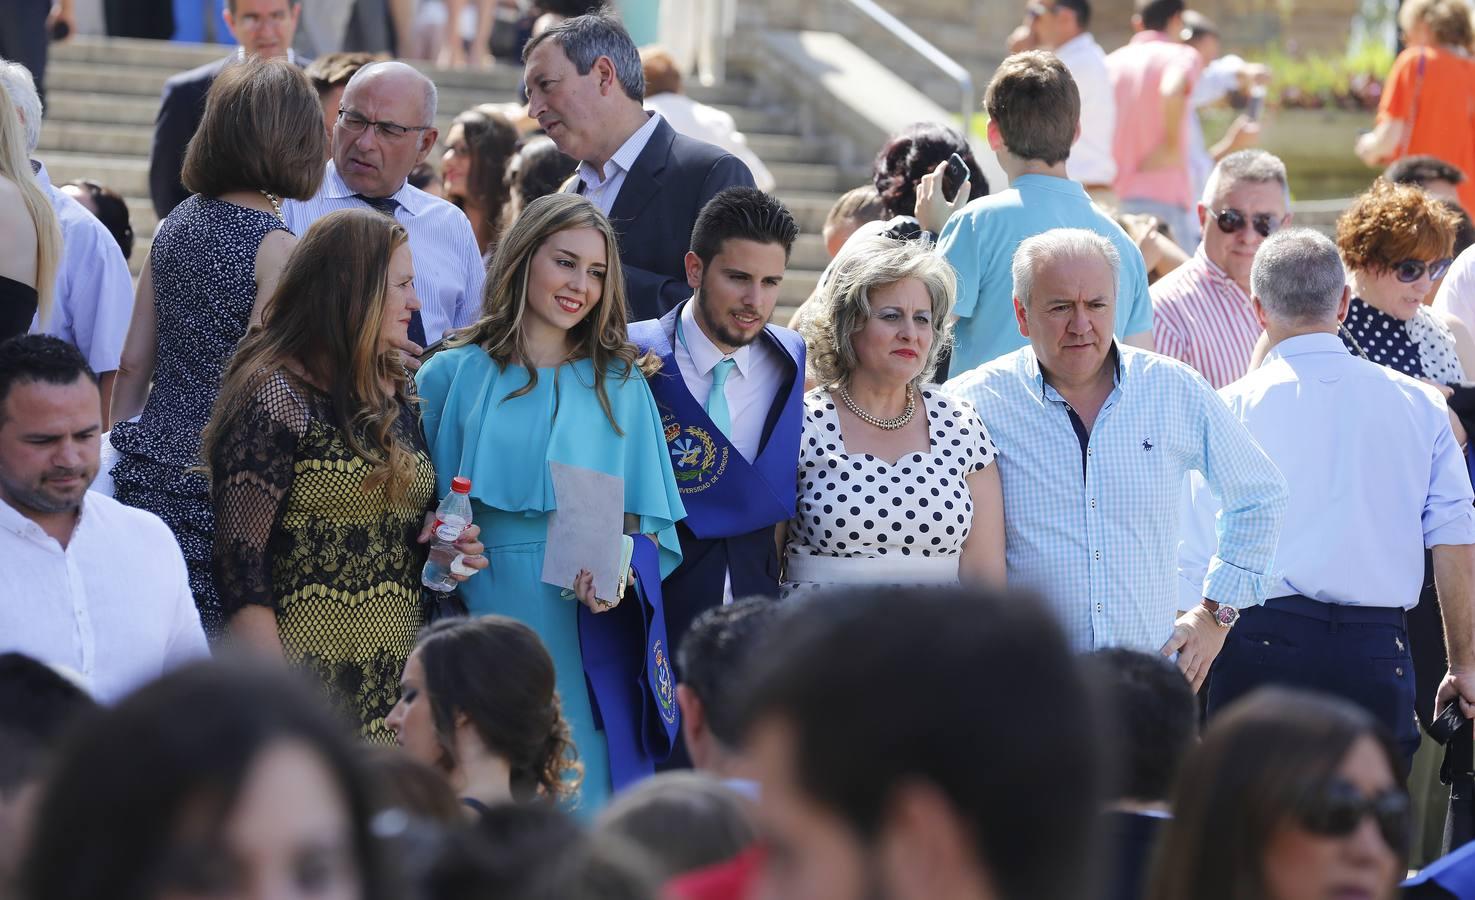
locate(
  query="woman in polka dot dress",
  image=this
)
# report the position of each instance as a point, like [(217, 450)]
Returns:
[(896, 482)]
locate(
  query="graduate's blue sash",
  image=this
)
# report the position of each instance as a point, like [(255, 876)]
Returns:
[(723, 493), (634, 693)]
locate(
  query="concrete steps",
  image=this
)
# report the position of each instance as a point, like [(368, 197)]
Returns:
[(103, 96)]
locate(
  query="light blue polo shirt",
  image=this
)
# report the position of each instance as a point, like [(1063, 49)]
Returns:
[(979, 241)]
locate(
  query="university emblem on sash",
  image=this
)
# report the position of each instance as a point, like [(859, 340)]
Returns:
[(665, 684), (696, 459)]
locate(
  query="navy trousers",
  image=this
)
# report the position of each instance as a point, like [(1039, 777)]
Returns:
[(1359, 653)]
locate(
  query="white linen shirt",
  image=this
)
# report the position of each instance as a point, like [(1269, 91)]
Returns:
[(94, 289), (114, 605), (1457, 292), (602, 186), (449, 271), (1374, 473), (1091, 160)]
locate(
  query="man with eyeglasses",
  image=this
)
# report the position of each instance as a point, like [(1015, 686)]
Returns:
[(1375, 476), (1201, 310), (386, 127), (263, 28)]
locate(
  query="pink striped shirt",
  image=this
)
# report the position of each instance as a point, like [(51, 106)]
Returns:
[(1201, 317)]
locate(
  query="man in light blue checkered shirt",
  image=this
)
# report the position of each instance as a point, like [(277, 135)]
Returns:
[(1094, 441)]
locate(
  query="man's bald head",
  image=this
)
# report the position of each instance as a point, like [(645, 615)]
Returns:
[(386, 126)]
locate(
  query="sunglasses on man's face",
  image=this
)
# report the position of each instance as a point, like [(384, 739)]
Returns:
[(1035, 10), (1232, 220), (1411, 270), (1338, 808)]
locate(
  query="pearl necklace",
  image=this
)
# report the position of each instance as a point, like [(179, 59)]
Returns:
[(276, 203), (884, 424)]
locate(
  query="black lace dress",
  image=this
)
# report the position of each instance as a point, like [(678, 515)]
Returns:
[(296, 531), (203, 261)]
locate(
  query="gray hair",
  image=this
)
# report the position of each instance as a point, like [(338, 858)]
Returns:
[(17, 81), (1298, 276), (1246, 167), (431, 98), (843, 304), (1060, 243), (585, 39)]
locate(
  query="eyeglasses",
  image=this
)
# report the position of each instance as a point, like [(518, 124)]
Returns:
[(1231, 221), (356, 124), (1411, 270), (1338, 808), (1035, 10)]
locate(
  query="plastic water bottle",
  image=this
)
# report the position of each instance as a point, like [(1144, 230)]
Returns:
[(451, 518)]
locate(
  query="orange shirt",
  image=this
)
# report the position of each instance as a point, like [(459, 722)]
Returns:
[(1441, 103)]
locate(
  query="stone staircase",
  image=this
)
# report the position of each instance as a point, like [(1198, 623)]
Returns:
[(103, 95)]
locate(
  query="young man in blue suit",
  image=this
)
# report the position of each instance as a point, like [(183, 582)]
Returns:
[(730, 392), (586, 89)]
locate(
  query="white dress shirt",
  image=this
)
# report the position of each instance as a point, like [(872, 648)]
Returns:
[(1091, 160), (449, 271), (94, 289), (1374, 472), (710, 124), (750, 389), (602, 186), (114, 605), (1457, 292), (756, 379)]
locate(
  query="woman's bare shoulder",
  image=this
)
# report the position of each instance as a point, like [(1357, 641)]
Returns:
[(17, 235)]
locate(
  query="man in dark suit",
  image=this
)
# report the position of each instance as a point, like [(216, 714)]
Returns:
[(264, 28), (586, 89)]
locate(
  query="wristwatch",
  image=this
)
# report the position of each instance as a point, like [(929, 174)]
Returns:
[(1224, 614)]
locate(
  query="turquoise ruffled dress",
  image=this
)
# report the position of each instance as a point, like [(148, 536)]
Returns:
[(504, 446)]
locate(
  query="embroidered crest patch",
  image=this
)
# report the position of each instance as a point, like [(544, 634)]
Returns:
[(697, 461), (665, 683)]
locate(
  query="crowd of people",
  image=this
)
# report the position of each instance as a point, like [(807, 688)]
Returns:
[(1104, 534)]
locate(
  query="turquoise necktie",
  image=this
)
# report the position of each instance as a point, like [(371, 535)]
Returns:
[(717, 399)]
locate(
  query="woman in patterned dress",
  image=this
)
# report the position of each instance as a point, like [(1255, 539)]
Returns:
[(212, 264), (896, 481), (321, 480)]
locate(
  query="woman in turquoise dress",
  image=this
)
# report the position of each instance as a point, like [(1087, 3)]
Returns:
[(548, 375)]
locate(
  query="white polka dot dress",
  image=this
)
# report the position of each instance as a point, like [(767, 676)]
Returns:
[(859, 506)]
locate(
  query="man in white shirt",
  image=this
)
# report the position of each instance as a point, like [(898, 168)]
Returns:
[(1375, 476), (89, 584), (730, 393), (386, 126), (94, 290), (1457, 292), (1063, 26), (586, 88)]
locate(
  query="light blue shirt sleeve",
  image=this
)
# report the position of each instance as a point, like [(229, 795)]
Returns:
[(1448, 516), (1139, 314), (1254, 499), (958, 245), (468, 305)]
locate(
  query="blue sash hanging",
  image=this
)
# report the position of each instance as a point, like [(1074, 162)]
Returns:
[(724, 494), (633, 694)]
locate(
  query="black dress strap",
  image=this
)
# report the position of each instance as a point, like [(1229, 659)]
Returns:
[(17, 307), (476, 806)]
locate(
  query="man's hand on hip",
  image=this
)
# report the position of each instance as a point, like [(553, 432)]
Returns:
[(1197, 639)]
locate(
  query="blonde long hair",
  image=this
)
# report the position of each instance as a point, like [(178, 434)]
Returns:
[(15, 164), (600, 336), (325, 318)]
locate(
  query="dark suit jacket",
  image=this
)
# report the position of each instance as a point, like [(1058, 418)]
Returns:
[(180, 111), (672, 179)]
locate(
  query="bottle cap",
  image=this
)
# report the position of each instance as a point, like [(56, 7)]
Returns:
[(461, 485)]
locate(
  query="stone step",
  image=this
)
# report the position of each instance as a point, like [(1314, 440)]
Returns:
[(87, 137), (101, 109), (776, 148)]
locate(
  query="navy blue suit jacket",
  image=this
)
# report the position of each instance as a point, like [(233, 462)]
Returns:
[(672, 179)]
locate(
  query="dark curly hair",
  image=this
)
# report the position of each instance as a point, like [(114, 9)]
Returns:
[(491, 140), (496, 672), (1389, 223), (915, 151)]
